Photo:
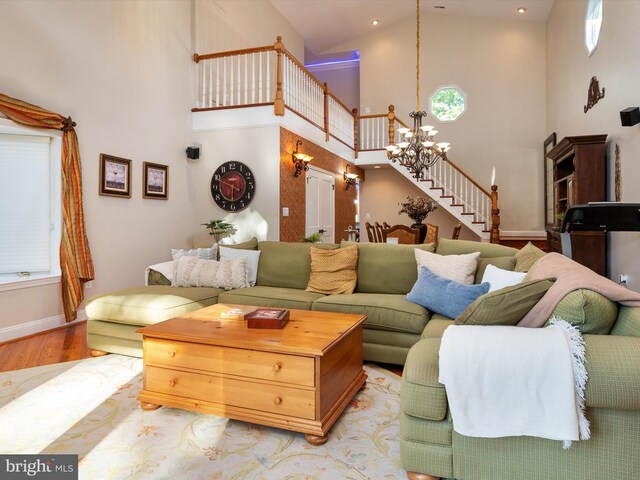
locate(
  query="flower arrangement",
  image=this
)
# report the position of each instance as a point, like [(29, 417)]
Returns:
[(417, 208), (219, 229)]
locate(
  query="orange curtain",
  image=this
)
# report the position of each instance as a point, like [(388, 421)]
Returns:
[(76, 263)]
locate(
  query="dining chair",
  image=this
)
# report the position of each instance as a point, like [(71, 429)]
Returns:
[(371, 234), (432, 234), (405, 235), (378, 230), (385, 225), (456, 231)]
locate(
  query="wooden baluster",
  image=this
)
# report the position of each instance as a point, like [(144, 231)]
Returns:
[(253, 77), (224, 82), (355, 131), (326, 112), (246, 81), (259, 77), (231, 101), (210, 83), (391, 116), (204, 82), (268, 82), (238, 85), (217, 82)]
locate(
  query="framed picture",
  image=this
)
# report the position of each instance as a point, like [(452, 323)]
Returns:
[(155, 181), (549, 194), (115, 176)]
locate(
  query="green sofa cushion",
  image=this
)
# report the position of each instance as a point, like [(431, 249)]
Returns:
[(589, 311), (446, 246), (276, 297), (386, 267), (628, 322), (286, 264), (422, 395), (149, 305), (384, 311), (527, 256), (505, 263), (505, 306), (157, 278), (436, 326)]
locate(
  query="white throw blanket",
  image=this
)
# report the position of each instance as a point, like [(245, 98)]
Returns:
[(510, 381)]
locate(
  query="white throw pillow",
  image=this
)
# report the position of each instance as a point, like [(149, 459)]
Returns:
[(195, 272), (459, 268), (499, 278), (252, 256), (203, 253)]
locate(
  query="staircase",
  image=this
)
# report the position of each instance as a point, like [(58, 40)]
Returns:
[(270, 75)]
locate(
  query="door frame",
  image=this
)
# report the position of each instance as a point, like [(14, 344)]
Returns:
[(333, 200)]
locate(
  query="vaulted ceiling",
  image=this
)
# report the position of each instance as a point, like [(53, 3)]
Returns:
[(327, 23)]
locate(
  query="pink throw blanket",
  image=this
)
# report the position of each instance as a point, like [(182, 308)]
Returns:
[(570, 276)]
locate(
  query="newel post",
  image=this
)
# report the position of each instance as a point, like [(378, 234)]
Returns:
[(495, 215), (392, 118), (278, 102), (325, 91), (355, 131)]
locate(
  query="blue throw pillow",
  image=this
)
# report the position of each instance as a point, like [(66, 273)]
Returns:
[(444, 296)]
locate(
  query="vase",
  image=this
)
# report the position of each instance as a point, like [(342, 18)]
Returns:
[(423, 230)]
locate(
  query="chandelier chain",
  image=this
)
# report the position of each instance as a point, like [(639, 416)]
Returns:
[(417, 55)]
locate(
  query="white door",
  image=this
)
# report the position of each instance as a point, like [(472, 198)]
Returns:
[(320, 200)]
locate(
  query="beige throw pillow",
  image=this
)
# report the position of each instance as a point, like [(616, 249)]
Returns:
[(195, 272), (459, 268), (333, 271)]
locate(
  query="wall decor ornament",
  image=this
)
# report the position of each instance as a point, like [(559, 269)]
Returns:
[(115, 176), (155, 181), (233, 186), (594, 94)]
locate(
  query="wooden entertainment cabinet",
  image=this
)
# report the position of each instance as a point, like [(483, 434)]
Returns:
[(576, 174)]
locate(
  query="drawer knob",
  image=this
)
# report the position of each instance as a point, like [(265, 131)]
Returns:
[(172, 353), (172, 382), (277, 400), (276, 367)]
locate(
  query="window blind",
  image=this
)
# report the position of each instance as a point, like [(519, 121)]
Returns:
[(25, 204)]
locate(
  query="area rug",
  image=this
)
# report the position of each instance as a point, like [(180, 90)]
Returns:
[(89, 408)]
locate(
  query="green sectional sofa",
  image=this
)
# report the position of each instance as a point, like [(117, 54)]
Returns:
[(386, 273)]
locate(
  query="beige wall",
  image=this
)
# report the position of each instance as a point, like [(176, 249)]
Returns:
[(343, 82), (123, 71), (615, 64), (500, 65), (380, 195)]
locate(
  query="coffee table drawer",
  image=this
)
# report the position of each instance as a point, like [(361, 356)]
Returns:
[(278, 399), (234, 361)]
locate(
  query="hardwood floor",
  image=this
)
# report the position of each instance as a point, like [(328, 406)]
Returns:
[(62, 344)]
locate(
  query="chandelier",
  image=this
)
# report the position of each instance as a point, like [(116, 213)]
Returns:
[(417, 149)]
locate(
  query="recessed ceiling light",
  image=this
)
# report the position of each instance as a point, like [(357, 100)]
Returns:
[(375, 22), (377, 166), (522, 10)]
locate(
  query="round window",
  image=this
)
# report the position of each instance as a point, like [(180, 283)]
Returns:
[(448, 103)]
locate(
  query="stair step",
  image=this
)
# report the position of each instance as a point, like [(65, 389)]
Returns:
[(479, 223), (468, 213), (446, 196), (486, 231), (457, 204), (436, 188)]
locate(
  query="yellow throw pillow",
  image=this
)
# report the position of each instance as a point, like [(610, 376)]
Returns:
[(333, 271)]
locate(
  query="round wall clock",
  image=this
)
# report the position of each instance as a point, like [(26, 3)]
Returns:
[(233, 186)]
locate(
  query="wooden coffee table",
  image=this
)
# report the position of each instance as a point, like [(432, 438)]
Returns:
[(299, 378)]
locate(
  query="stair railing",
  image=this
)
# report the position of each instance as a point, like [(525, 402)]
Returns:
[(271, 75)]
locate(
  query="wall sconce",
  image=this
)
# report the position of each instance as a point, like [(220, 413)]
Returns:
[(300, 160), (349, 178)]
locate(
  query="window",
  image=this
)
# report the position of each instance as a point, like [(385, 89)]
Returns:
[(592, 24), (448, 103), (30, 205)]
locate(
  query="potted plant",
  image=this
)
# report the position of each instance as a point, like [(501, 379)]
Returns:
[(219, 229), (313, 238), (417, 209)]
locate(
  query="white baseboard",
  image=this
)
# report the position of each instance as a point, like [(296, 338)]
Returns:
[(36, 326)]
